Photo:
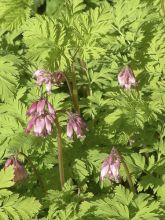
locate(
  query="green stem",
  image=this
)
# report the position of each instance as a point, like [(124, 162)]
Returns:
[(162, 6), (60, 155), (84, 67), (34, 170), (120, 33), (74, 90), (69, 86), (127, 173)]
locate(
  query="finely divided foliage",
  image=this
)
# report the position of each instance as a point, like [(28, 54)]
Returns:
[(82, 99)]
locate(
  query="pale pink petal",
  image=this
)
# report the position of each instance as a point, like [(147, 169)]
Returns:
[(78, 131), (48, 125), (51, 109), (51, 119), (69, 130), (114, 169), (32, 109), (39, 73), (132, 80), (48, 86), (104, 171), (39, 126), (40, 80), (41, 106), (8, 163), (30, 125)]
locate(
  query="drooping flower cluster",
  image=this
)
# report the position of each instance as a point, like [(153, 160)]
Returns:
[(75, 124), (20, 173), (42, 116), (44, 77), (110, 167), (126, 78)]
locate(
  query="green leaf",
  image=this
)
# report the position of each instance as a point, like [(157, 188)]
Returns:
[(46, 39), (6, 177), (20, 208), (13, 14), (8, 77)]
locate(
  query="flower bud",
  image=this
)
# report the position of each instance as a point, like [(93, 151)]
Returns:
[(20, 173)]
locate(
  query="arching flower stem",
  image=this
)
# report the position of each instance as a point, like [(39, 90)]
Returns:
[(74, 90), (60, 155), (130, 182), (163, 7), (69, 86)]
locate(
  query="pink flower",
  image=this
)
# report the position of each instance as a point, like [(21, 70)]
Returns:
[(46, 78), (38, 73), (30, 124), (39, 126), (126, 78), (110, 167), (43, 77), (51, 109), (75, 124), (32, 109), (41, 106), (20, 173), (42, 119)]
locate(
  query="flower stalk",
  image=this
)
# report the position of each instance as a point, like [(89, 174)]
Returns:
[(74, 90), (60, 155), (84, 67), (130, 182), (163, 7), (69, 86)]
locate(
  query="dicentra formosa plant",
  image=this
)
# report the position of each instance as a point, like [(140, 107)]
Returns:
[(43, 117)]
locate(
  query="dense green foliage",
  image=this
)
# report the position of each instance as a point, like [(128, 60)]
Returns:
[(93, 39)]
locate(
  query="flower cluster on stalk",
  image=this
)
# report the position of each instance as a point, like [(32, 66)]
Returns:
[(46, 78), (42, 116), (111, 166), (75, 124), (126, 78), (20, 173)]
